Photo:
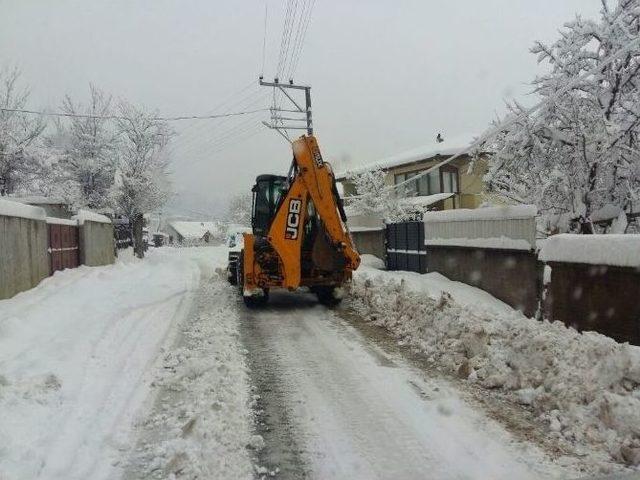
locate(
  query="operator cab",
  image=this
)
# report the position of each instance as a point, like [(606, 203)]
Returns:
[(267, 194)]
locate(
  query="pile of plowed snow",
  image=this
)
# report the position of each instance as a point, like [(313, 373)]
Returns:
[(585, 387)]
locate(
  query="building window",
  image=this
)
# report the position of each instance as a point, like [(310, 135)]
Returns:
[(411, 188), (450, 179), (444, 180)]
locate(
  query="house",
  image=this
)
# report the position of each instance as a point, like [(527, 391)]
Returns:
[(192, 233), (453, 185), (458, 184)]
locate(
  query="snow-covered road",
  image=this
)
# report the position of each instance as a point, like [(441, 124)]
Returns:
[(84, 356), (138, 370), (338, 406)]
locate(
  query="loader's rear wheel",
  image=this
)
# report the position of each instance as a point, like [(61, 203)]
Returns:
[(327, 295), (250, 301)]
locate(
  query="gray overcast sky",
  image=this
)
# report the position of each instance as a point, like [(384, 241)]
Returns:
[(386, 75)]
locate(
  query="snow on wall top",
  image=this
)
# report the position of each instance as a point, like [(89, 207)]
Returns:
[(489, 213), (88, 216), (11, 208), (62, 221), (499, 243), (194, 230), (424, 200), (615, 250), (41, 200), (425, 152)]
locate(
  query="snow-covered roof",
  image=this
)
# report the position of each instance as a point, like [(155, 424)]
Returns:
[(487, 213), (447, 148), (194, 230), (616, 250), (424, 200), (40, 200), (12, 208), (88, 216)]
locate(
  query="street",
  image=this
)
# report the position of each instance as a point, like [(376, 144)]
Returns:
[(337, 406)]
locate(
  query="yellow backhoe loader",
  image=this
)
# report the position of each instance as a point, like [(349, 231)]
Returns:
[(299, 234)]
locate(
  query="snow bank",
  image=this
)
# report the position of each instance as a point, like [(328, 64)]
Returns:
[(76, 362), (201, 426), (88, 216), (585, 387), (488, 213), (368, 260), (501, 243), (615, 250), (9, 208)]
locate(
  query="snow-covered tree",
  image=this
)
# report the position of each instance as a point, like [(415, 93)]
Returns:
[(374, 197), (19, 165), (89, 147), (142, 180), (239, 209), (579, 152)]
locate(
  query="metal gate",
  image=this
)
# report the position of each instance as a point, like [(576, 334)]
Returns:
[(63, 246), (405, 247)]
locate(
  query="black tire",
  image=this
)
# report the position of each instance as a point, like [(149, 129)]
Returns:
[(232, 273), (240, 272), (327, 295), (256, 301)]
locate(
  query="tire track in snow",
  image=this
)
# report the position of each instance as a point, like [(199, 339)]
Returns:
[(337, 406)]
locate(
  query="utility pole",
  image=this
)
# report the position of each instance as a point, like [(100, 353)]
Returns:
[(276, 112)]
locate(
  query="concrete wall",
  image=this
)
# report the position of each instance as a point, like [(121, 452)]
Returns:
[(511, 228), (96, 244), (512, 276), (370, 241), (599, 298), (24, 260)]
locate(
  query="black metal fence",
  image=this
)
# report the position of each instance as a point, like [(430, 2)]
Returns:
[(405, 247)]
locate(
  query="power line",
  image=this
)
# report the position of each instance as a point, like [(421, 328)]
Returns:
[(121, 117), (213, 142), (245, 135), (218, 131), (285, 33), (246, 103), (288, 42), (227, 103), (301, 43)]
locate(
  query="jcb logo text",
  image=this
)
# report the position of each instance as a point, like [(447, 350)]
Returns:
[(293, 219)]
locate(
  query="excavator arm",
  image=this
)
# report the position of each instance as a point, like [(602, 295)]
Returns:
[(311, 183)]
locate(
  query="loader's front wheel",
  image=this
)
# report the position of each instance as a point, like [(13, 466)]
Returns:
[(328, 295), (256, 301), (251, 301)]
